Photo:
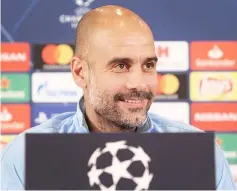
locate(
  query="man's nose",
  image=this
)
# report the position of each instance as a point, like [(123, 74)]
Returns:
[(136, 80)]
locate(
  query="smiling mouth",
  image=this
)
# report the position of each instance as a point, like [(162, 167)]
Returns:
[(133, 101)]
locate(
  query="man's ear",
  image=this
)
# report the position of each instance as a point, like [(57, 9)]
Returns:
[(78, 71)]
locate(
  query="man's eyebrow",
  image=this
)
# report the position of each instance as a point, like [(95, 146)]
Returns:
[(129, 60), (119, 60), (154, 58)]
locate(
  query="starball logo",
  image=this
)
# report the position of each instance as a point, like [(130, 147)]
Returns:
[(120, 169), (73, 19)]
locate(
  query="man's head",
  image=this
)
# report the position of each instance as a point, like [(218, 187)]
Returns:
[(115, 64)]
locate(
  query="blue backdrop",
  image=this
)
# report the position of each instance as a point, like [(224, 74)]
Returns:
[(54, 21)]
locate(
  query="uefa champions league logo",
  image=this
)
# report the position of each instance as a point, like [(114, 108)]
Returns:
[(82, 9), (83, 3), (123, 165)]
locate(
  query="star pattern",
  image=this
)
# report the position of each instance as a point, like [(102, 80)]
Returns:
[(94, 157), (113, 147), (140, 154), (111, 188), (144, 181), (94, 175), (118, 169)]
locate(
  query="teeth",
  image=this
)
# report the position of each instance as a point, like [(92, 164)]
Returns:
[(133, 101)]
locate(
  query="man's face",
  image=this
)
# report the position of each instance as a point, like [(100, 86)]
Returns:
[(122, 80)]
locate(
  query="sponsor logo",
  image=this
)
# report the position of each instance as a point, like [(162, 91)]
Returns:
[(210, 86), (228, 143), (61, 54), (41, 118), (118, 168), (169, 86), (213, 55), (178, 111), (214, 86), (15, 88), (15, 57), (14, 118), (5, 83), (73, 19), (214, 116), (46, 88), (43, 112), (172, 55), (53, 56), (5, 116)]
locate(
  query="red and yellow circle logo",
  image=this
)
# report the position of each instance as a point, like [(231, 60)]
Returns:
[(57, 54), (168, 84)]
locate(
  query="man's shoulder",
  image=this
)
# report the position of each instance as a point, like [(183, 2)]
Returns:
[(13, 154), (165, 125), (57, 124)]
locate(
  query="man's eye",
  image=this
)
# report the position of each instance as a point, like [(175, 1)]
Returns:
[(149, 65), (121, 67)]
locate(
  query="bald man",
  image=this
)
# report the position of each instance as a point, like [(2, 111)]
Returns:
[(115, 65)]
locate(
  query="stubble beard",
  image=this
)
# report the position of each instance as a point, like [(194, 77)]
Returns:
[(110, 116)]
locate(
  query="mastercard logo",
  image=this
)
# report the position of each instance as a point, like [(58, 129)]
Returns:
[(57, 54), (167, 84)]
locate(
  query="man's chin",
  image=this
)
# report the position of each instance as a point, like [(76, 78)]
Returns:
[(129, 126), (132, 121), (133, 111)]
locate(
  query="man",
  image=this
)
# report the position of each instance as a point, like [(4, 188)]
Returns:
[(115, 65)]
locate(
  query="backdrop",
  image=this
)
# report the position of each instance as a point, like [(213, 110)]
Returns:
[(196, 42)]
